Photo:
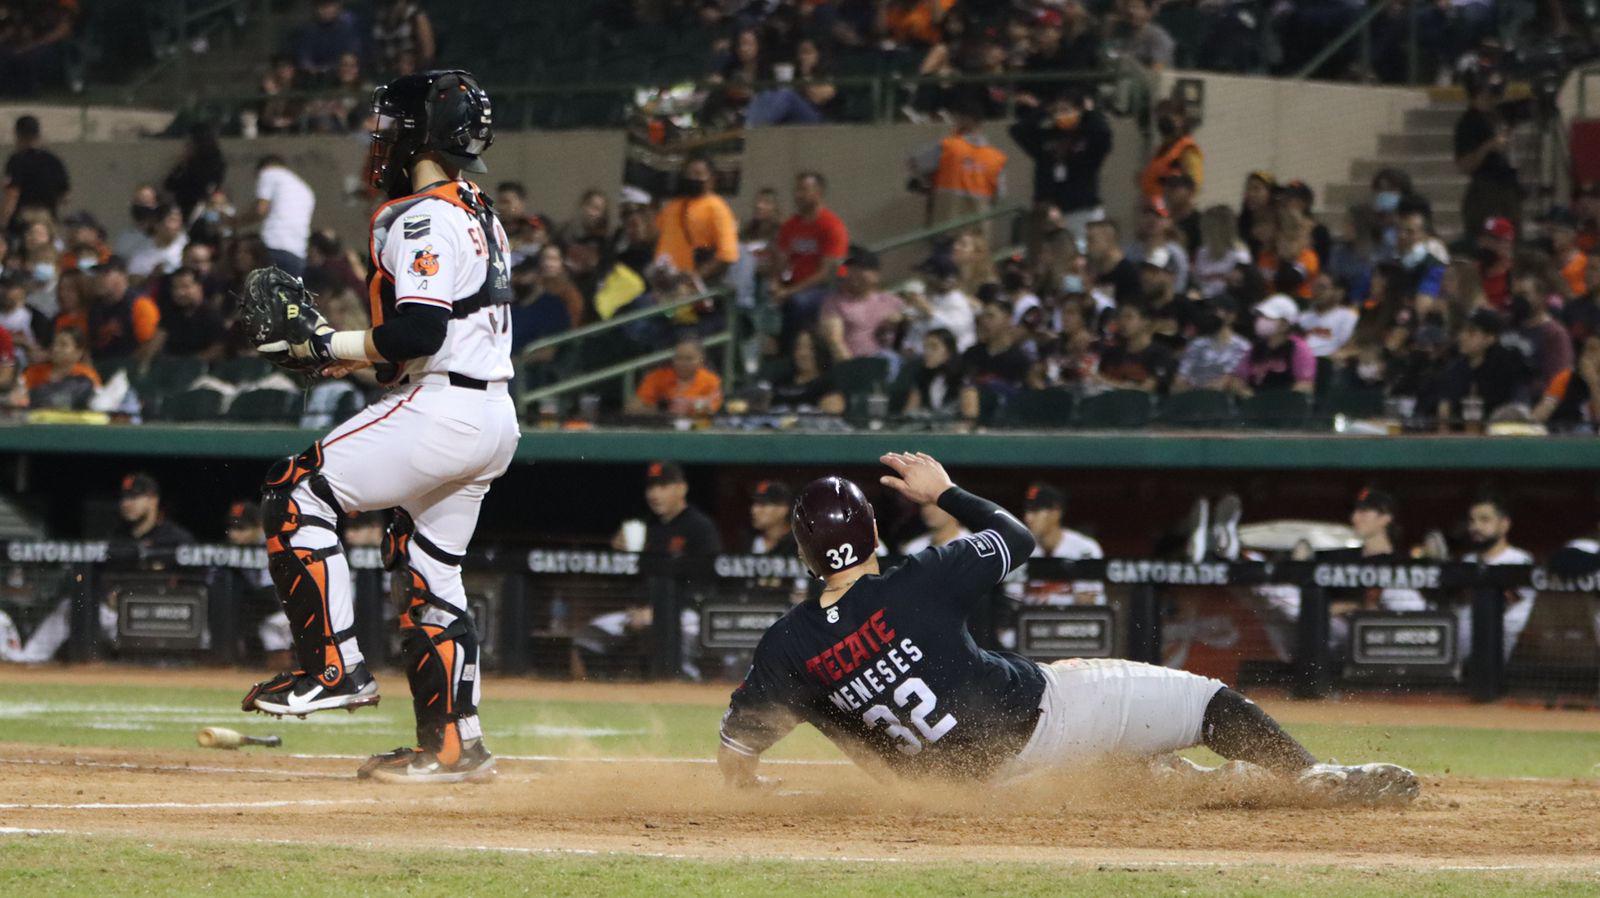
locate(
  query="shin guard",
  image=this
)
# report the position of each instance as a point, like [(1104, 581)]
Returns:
[(439, 643), (302, 573)]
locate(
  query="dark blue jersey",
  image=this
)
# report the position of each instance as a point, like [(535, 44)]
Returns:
[(891, 671)]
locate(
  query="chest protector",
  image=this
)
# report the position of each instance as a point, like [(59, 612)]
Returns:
[(496, 287)]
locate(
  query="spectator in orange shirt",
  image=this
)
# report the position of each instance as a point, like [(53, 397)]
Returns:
[(681, 387), (699, 233), (1289, 263), (122, 321), (914, 21), (67, 380), (1562, 229), (1178, 152), (964, 172)]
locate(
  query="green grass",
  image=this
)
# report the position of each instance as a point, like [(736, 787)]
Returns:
[(35, 866), (127, 716)]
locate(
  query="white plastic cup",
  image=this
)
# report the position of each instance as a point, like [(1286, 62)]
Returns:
[(633, 535)]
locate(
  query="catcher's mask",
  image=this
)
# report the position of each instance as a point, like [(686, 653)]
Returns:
[(443, 111)]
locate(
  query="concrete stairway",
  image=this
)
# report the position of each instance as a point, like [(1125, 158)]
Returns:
[(1425, 150), (230, 62)]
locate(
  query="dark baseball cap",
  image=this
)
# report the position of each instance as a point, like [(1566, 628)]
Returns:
[(1375, 500), (1042, 495), (243, 514), (1222, 302), (939, 266), (139, 483), (663, 472), (1486, 320), (112, 263), (771, 492), (1560, 217), (861, 257)]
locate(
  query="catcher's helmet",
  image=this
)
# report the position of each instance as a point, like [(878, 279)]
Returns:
[(443, 111), (834, 526)]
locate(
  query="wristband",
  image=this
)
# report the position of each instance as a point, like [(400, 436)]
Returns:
[(350, 346)]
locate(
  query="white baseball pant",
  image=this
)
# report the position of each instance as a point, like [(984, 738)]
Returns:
[(1098, 708)]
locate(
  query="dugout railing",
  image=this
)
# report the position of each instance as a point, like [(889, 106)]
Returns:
[(1309, 627)]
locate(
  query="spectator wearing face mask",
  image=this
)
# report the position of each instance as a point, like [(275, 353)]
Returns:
[(86, 243), (142, 211), (1178, 152), (1421, 255), (1212, 357), (1068, 142), (698, 232), (1279, 358)]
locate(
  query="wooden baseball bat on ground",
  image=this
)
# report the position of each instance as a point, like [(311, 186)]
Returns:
[(222, 737)]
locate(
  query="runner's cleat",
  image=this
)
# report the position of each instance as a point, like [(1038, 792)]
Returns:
[(1363, 784), (297, 694), (419, 766)]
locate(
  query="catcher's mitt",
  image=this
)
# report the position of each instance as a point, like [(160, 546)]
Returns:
[(277, 312)]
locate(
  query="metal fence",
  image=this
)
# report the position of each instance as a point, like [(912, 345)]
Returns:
[(1308, 627)]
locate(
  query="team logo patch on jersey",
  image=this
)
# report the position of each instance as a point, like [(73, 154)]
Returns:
[(426, 262), (833, 615), (417, 227), (981, 542)]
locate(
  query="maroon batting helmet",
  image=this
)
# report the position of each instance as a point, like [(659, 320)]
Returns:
[(834, 526)]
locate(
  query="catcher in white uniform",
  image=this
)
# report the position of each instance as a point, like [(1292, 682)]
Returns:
[(429, 449)]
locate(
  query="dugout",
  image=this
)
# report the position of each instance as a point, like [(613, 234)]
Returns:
[(1284, 624)]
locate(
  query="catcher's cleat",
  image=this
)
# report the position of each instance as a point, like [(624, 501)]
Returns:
[(297, 693), (1363, 784), (416, 765)]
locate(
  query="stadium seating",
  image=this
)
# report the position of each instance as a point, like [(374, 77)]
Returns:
[(1117, 409), (1041, 408), (1197, 408), (266, 406), (201, 404)]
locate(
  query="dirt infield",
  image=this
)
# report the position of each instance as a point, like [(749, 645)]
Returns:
[(678, 808), (821, 811)]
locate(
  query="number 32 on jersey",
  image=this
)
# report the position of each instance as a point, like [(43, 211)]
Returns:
[(919, 713)]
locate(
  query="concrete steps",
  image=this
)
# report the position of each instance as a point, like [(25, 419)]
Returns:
[(232, 62), (1425, 150)]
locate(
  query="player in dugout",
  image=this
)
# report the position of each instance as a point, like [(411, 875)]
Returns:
[(882, 664)]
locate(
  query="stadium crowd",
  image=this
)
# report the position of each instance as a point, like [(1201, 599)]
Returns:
[(1199, 304)]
